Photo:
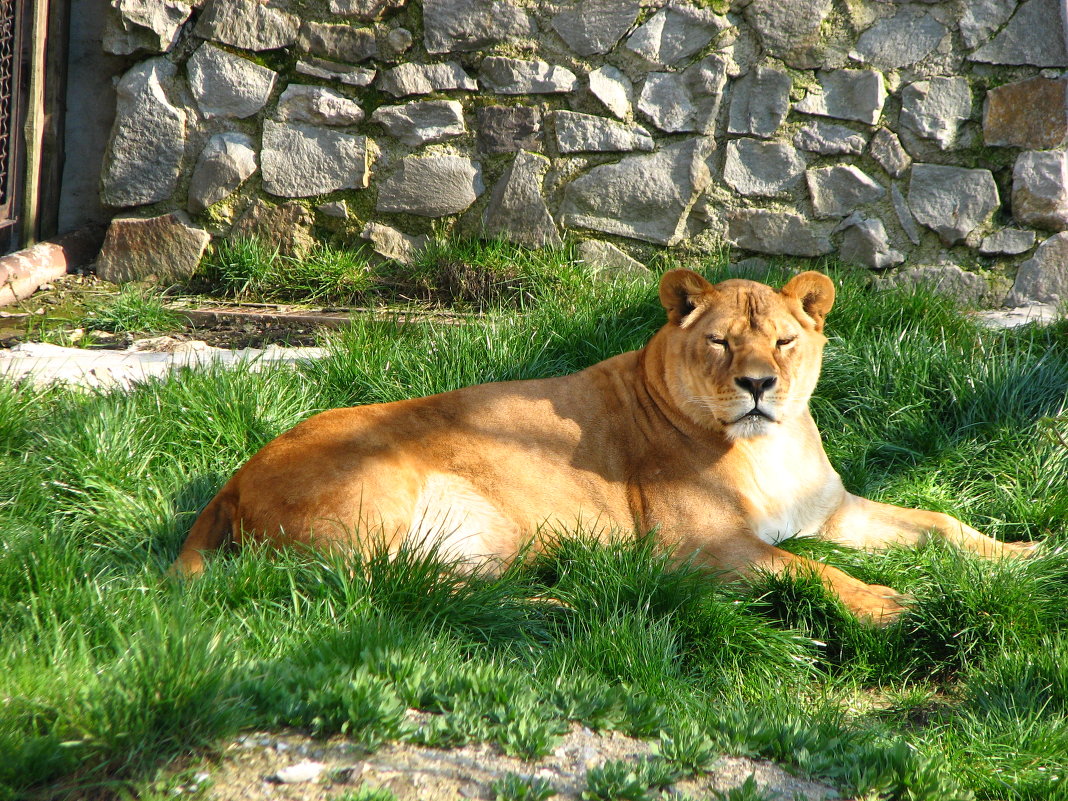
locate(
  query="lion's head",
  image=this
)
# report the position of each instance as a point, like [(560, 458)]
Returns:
[(740, 357)]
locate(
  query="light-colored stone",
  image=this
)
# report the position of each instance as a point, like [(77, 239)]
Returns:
[(887, 151), (904, 215), (967, 289), (364, 10), (338, 209), (760, 100), (837, 191), (1035, 35), (613, 89), (578, 133), (790, 29), (846, 95), (515, 76), (286, 227), (395, 43), (348, 74), (337, 42), (644, 197), (1040, 189), (452, 26), (829, 139), (422, 122), (674, 33), (247, 24), (608, 262), (422, 79), (1031, 314), (775, 232), (389, 243), (144, 153), (1044, 277), (317, 105), (507, 129), (982, 18), (1008, 241), (225, 85), (516, 210), (303, 160), (225, 163), (952, 201), (304, 771), (687, 101), (766, 169), (864, 242), (167, 248), (1031, 114), (433, 186), (590, 27), (149, 26), (936, 108), (908, 36)]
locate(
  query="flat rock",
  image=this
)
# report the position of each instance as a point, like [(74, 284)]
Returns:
[(1008, 241), (247, 24), (613, 89), (301, 160), (1044, 277), (423, 121), (348, 74), (225, 85), (760, 100), (765, 169), (578, 133), (433, 186), (936, 108), (790, 29), (143, 26), (338, 209), (226, 161), (306, 770), (389, 243), (452, 26), (337, 42), (516, 76), (952, 201), (422, 79), (364, 10), (837, 191), (645, 197), (1035, 35), (1030, 114), (1040, 189), (981, 18), (591, 27), (908, 36), (864, 242), (317, 105), (776, 232), (1030, 314), (674, 33), (516, 209), (904, 215), (286, 227), (507, 129), (846, 95), (144, 153), (829, 139), (687, 101), (887, 151), (967, 289), (608, 262), (167, 248)]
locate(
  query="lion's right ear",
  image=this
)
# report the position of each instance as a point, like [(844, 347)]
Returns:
[(815, 291), (681, 292)]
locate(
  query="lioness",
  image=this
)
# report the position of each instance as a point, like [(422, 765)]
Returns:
[(703, 436)]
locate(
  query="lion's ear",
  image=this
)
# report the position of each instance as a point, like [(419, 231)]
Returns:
[(680, 291), (815, 291)]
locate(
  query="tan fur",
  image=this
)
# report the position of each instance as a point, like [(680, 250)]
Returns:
[(653, 440)]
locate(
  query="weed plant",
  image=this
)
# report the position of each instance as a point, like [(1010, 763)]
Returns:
[(111, 671)]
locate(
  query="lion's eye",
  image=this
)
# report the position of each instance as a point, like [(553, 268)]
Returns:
[(718, 341), (782, 343)]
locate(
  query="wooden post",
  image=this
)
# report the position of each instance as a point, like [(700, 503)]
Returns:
[(36, 113)]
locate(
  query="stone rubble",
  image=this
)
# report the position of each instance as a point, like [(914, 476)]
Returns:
[(764, 169), (1040, 189), (225, 85), (846, 95), (423, 121), (829, 139), (613, 89), (167, 247), (581, 133), (951, 201), (247, 25), (431, 186), (226, 162), (301, 160), (936, 108), (837, 191), (143, 26), (591, 27), (674, 33), (1044, 277), (516, 76), (317, 105), (506, 129), (516, 210), (422, 79), (760, 102)]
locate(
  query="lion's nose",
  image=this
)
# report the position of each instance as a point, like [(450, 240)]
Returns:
[(756, 386)]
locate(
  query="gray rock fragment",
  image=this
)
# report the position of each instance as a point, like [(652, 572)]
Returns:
[(364, 10), (952, 201), (837, 191), (516, 209), (936, 108), (781, 233), (687, 101), (225, 163), (453, 26), (760, 101), (144, 153), (766, 169), (645, 197), (304, 160), (790, 29), (847, 95), (225, 85), (150, 26), (613, 89), (337, 42), (594, 26), (304, 771), (433, 186), (347, 74), (1035, 35), (395, 43), (338, 209), (674, 33), (422, 79), (515, 76), (507, 129), (982, 17), (1040, 189), (578, 133), (423, 121), (286, 227), (1007, 241), (904, 215), (829, 139), (901, 40), (886, 149), (247, 24), (1044, 277), (967, 289), (389, 243), (864, 242), (167, 248), (317, 105)]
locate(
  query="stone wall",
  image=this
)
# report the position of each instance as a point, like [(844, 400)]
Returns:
[(909, 138)]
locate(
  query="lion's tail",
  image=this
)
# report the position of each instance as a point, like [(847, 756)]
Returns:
[(211, 530)]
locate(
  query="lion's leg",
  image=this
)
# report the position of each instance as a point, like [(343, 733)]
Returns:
[(869, 525)]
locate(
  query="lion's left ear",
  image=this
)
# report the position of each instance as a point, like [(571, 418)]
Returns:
[(815, 291), (680, 293)]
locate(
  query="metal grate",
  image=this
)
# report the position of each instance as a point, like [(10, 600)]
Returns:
[(9, 16)]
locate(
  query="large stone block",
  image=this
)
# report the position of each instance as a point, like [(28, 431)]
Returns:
[(1040, 189), (516, 76), (790, 29), (591, 27), (1030, 114), (247, 24), (1035, 35), (675, 33), (644, 197), (981, 18), (389, 243), (167, 248), (579, 133), (507, 129), (936, 108), (687, 101), (613, 89), (433, 186), (317, 105), (837, 191), (422, 122), (1044, 277), (952, 201), (286, 227), (422, 79), (864, 242), (303, 160), (1008, 241), (364, 10), (516, 209), (224, 164), (150, 26), (766, 169), (829, 140), (452, 26), (225, 85), (776, 232), (760, 100), (847, 95), (910, 35), (337, 42)]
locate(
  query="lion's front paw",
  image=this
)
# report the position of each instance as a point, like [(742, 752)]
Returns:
[(878, 605)]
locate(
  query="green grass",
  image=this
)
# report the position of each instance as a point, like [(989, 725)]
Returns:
[(112, 671)]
